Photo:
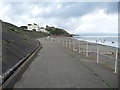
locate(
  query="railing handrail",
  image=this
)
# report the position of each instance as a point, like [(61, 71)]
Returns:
[(97, 51)]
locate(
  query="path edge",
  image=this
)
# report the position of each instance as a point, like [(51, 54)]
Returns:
[(9, 83)]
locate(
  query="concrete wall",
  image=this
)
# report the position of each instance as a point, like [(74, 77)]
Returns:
[(16, 46)]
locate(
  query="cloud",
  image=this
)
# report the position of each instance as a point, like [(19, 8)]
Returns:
[(75, 17), (4, 11), (76, 9), (98, 22), (60, 9)]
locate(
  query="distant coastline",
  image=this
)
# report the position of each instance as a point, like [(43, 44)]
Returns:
[(97, 36), (101, 39)]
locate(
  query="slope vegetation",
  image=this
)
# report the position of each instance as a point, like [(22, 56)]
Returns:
[(16, 44)]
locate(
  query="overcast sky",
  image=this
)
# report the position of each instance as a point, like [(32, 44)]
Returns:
[(75, 17)]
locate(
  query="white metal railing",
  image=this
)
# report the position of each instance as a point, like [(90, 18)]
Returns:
[(88, 48)]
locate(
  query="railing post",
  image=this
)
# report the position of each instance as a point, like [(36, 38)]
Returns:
[(66, 42), (73, 45), (116, 61), (98, 53), (69, 43), (63, 41), (59, 41), (79, 46), (87, 50)]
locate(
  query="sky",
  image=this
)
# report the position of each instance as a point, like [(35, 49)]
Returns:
[(74, 17)]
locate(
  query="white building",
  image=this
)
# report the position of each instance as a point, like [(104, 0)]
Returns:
[(43, 30), (33, 27)]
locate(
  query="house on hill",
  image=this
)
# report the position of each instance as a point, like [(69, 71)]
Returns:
[(23, 27), (42, 29), (33, 27)]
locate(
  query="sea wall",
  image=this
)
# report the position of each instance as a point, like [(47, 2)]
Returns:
[(15, 46)]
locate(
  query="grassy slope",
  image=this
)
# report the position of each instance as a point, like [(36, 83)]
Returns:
[(16, 44), (57, 31)]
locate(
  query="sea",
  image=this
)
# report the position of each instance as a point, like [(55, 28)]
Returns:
[(104, 40)]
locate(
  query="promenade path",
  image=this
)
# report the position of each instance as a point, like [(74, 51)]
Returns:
[(58, 67)]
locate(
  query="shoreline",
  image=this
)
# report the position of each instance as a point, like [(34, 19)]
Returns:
[(98, 36), (107, 54), (84, 42), (105, 44)]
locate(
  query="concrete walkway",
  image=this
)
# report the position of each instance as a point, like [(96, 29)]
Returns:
[(58, 67)]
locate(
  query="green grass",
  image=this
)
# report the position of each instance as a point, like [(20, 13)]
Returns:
[(12, 29), (25, 39), (9, 41), (15, 30), (55, 31)]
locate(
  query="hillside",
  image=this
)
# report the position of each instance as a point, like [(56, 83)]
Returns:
[(16, 44), (57, 31)]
